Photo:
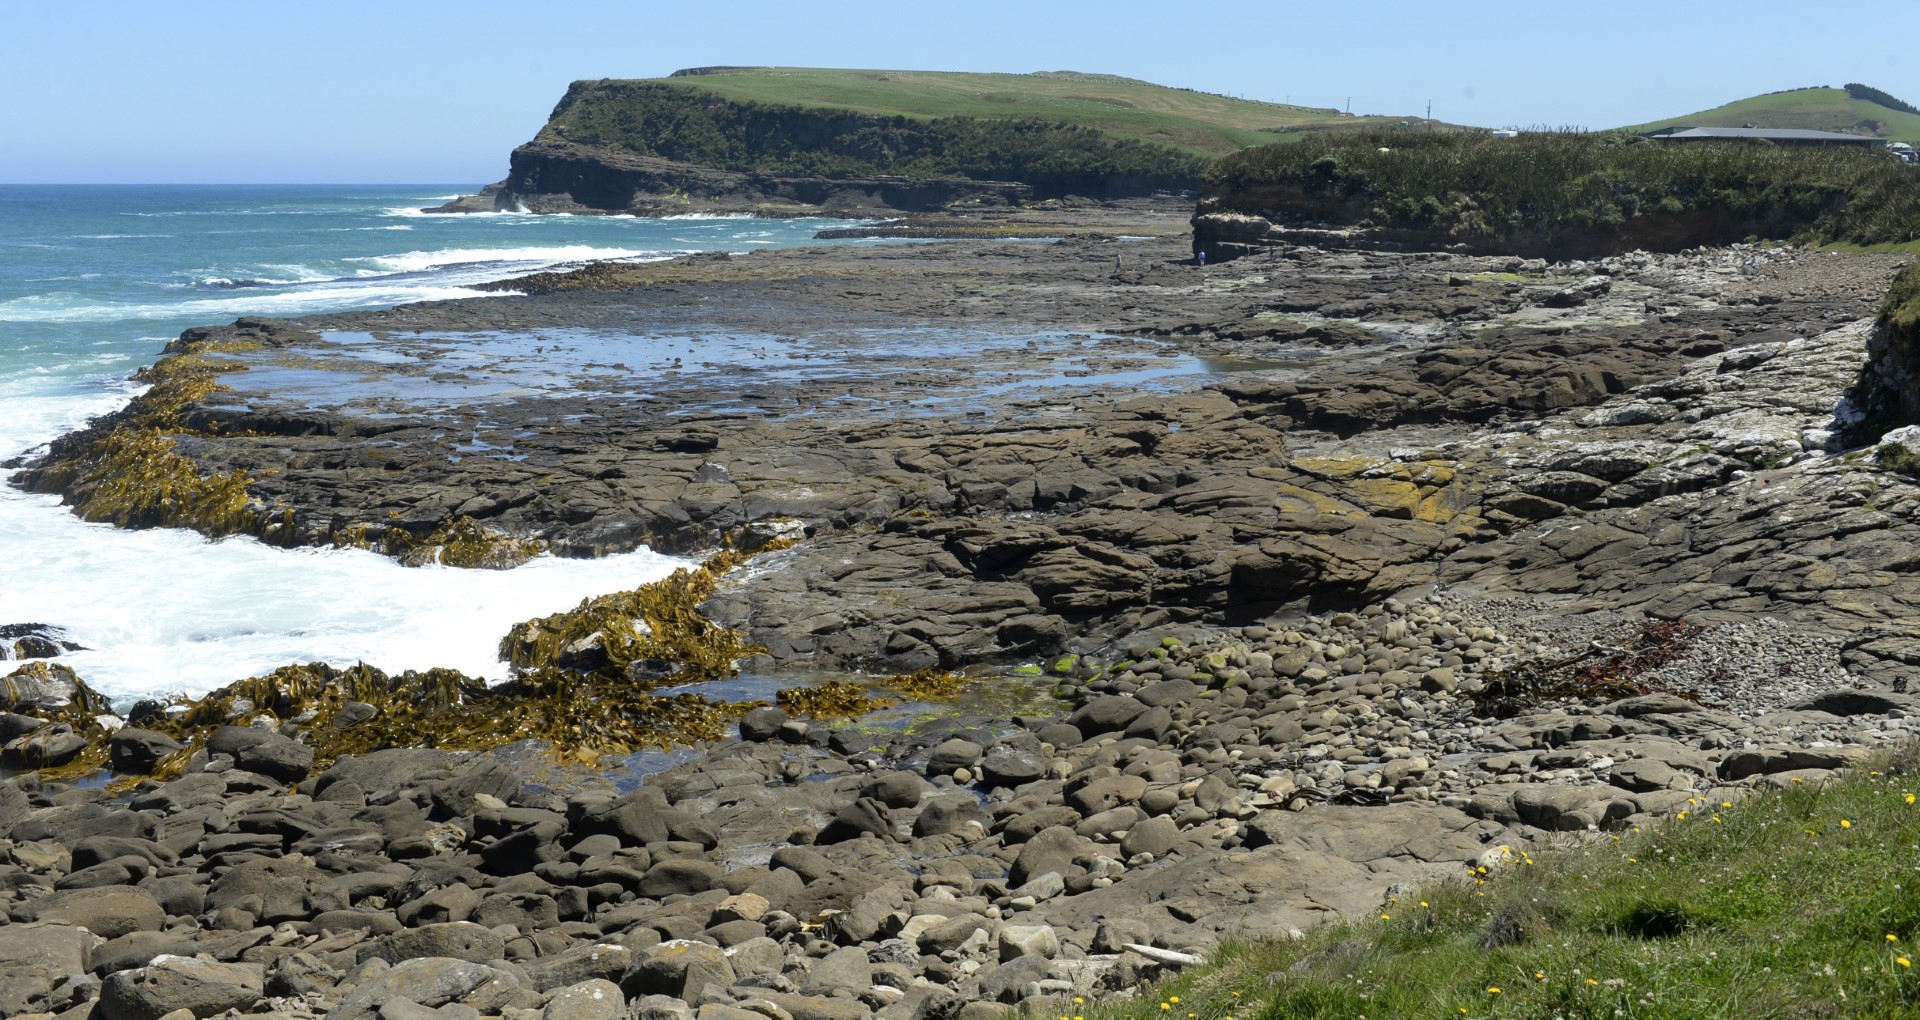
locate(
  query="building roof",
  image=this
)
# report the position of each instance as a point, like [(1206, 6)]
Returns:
[(1769, 134)]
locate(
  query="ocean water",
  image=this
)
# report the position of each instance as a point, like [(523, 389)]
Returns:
[(93, 283)]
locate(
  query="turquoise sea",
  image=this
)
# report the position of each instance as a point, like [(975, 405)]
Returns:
[(93, 283)]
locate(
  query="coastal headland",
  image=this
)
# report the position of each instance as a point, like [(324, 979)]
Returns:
[(1117, 604)]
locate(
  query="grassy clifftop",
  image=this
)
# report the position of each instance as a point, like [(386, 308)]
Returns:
[(1197, 122), (1817, 109), (1060, 132)]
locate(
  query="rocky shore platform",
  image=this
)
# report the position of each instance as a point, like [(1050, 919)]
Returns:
[(1341, 574)]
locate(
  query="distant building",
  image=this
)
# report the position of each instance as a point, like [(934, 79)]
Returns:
[(1778, 136)]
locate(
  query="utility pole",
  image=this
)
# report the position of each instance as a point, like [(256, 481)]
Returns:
[(1349, 106), (1429, 116)]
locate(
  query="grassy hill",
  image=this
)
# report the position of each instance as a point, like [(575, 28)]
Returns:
[(1818, 109), (1196, 122)]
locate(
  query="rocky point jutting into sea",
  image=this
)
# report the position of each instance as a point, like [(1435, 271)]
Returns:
[(1309, 578)]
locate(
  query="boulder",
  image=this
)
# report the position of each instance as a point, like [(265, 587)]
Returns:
[(430, 982), (896, 789), (457, 940), (109, 911), (1017, 940), (60, 948), (171, 983), (761, 724), (863, 817), (679, 968), (1107, 713), (951, 755), (134, 751), (588, 1000), (843, 973), (47, 747), (954, 812)]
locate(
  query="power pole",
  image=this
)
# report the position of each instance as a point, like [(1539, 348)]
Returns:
[(1429, 116), (1349, 106)]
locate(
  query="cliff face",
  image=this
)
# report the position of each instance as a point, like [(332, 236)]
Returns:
[(650, 148), (549, 176), (1887, 393)]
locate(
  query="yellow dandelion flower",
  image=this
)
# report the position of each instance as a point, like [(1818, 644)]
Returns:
[(1716, 819), (1173, 998), (1386, 917), (1493, 989), (1165, 1006), (1797, 779), (1633, 860), (1891, 937), (1683, 816), (1423, 903), (1078, 1001), (1903, 961), (1845, 824), (1726, 803), (1909, 798), (1592, 981), (1539, 975)]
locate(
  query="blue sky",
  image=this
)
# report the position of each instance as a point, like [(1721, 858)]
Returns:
[(400, 91)]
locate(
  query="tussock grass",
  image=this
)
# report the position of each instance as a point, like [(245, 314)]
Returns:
[(1555, 184), (1797, 902)]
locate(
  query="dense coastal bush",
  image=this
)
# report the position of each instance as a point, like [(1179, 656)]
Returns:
[(1877, 97), (692, 126), (1545, 185)]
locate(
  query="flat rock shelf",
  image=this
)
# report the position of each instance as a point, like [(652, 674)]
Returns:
[(1288, 586)]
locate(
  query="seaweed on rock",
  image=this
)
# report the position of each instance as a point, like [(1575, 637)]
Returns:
[(835, 700), (651, 633), (358, 709), (462, 542), (134, 476), (1619, 673)]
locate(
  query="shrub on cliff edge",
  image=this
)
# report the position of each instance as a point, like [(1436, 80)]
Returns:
[(1579, 187)]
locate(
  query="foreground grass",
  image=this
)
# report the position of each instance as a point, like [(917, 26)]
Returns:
[(1797, 903)]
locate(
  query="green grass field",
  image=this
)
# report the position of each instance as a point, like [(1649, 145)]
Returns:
[(1198, 122), (1799, 902), (1819, 109)]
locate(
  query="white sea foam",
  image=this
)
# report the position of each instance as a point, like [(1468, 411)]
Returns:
[(419, 261), (408, 211), (63, 307), (166, 611)]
